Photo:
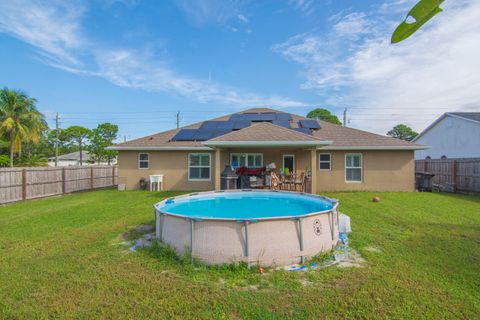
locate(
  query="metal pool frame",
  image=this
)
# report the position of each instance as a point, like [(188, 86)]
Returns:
[(211, 240)]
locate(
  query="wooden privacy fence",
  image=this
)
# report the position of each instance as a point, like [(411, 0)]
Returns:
[(39, 182), (462, 175)]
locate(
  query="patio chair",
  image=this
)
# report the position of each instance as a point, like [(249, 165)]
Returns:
[(299, 182), (289, 181), (276, 181)]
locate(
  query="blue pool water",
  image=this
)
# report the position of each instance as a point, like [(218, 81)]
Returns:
[(246, 205)]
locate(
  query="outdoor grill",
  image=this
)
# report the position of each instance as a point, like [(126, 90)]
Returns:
[(228, 178)]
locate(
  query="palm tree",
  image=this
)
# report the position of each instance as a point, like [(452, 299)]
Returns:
[(19, 119), (37, 126)]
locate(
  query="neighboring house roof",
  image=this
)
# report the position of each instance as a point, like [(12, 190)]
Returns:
[(470, 116), (475, 116), (73, 156), (332, 135)]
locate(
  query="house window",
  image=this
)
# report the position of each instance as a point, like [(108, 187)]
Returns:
[(249, 160), (199, 166), (325, 162), (353, 167), (143, 160)]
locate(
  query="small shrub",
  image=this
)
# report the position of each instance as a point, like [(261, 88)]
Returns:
[(34, 161), (162, 251), (4, 160)]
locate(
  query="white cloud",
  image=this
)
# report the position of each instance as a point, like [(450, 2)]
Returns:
[(128, 69), (242, 18), (305, 6), (432, 72), (54, 29), (397, 6), (204, 12), (352, 24)]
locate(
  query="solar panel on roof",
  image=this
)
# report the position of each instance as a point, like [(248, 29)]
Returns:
[(209, 125), (252, 116), (241, 124), (282, 123), (225, 125), (184, 135), (203, 134), (310, 124), (268, 116), (304, 130), (284, 116), (235, 117)]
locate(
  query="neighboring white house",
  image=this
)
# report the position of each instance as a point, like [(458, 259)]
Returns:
[(453, 135), (73, 159)]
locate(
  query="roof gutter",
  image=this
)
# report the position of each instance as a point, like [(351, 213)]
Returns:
[(376, 148), (119, 148), (311, 143)]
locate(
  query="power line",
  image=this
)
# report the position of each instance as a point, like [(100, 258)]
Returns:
[(56, 139)]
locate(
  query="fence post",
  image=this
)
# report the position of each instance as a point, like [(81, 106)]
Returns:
[(113, 175), (454, 175), (91, 177), (63, 180), (24, 184)]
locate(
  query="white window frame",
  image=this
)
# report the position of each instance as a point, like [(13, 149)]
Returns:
[(246, 158), (283, 161), (200, 166), (361, 167), (320, 161), (148, 161)]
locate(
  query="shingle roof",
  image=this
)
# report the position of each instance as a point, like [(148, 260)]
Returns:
[(265, 131), (342, 137), (468, 115)]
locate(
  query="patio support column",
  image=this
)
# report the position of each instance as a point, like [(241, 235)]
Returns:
[(313, 166), (217, 169)]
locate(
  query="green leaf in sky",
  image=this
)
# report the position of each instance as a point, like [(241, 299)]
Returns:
[(423, 11)]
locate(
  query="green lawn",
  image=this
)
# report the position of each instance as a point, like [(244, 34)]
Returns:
[(57, 260)]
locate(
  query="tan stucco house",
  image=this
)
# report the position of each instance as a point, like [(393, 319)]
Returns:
[(335, 157)]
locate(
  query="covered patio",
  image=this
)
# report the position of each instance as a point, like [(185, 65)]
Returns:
[(289, 155)]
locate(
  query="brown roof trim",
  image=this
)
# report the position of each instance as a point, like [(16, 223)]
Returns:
[(282, 143), (353, 148), (120, 148)]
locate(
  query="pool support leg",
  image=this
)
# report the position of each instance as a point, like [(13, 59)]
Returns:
[(246, 244), (192, 230), (331, 223), (158, 225), (300, 239)]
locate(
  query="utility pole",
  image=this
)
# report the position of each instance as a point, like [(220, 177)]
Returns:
[(345, 117), (178, 119), (56, 140)]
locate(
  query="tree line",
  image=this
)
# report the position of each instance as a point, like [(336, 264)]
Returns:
[(26, 139)]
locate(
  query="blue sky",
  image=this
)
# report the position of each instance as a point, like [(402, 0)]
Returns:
[(137, 62)]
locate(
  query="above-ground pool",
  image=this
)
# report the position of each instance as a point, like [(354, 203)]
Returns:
[(260, 227)]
